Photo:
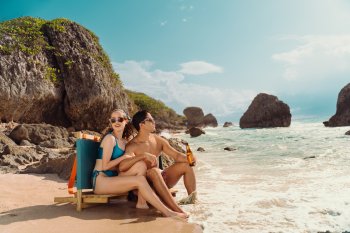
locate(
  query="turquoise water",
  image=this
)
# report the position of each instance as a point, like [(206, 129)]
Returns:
[(294, 179)]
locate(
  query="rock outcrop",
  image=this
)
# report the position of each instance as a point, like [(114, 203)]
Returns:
[(195, 132), (38, 133), (229, 148), (195, 118), (56, 72), (228, 124), (50, 150), (342, 115), (13, 157), (178, 145), (266, 111), (60, 163), (210, 120)]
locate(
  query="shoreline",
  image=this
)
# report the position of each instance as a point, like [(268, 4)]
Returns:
[(27, 206)]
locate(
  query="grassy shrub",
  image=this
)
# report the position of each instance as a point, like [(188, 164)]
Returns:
[(156, 107)]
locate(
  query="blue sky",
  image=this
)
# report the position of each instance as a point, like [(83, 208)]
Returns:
[(218, 55)]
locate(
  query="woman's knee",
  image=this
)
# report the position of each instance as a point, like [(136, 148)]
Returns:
[(140, 181)]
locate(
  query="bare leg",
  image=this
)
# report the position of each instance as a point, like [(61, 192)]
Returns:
[(117, 185), (138, 169), (154, 175), (174, 173)]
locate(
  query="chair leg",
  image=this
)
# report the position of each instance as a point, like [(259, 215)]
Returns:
[(79, 200)]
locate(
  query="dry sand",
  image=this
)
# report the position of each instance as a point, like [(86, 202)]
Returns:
[(26, 205)]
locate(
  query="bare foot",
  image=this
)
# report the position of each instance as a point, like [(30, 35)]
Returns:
[(190, 199), (173, 214), (187, 214), (142, 206)]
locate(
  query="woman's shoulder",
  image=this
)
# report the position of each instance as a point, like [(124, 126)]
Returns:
[(108, 139)]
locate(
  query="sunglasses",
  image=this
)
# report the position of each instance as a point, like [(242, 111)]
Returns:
[(149, 120), (117, 119)]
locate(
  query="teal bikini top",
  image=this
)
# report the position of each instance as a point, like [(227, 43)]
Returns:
[(117, 152)]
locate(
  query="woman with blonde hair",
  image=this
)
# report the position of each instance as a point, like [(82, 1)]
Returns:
[(105, 176)]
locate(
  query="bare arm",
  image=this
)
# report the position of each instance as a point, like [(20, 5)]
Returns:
[(169, 150), (107, 163), (127, 163), (150, 159)]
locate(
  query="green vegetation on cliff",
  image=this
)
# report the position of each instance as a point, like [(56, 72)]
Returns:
[(156, 107), (24, 34), (28, 35)]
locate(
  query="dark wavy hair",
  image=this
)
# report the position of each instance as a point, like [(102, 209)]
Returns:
[(128, 132), (138, 118)]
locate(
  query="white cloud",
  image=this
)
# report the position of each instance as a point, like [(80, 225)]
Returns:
[(171, 88), (316, 58), (199, 68)]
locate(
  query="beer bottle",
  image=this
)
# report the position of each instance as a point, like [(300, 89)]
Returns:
[(189, 155)]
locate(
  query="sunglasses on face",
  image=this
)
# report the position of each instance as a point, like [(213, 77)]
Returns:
[(117, 119)]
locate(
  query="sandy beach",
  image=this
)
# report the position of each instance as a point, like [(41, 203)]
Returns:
[(26, 205)]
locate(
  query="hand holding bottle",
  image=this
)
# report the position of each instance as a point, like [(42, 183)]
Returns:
[(190, 157)]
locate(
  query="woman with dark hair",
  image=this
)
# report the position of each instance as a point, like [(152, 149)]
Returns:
[(105, 177)]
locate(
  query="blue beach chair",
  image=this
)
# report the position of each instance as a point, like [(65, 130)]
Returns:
[(82, 194)]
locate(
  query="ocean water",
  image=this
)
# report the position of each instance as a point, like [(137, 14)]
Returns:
[(294, 179)]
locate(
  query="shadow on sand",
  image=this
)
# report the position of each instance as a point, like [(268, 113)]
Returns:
[(120, 210)]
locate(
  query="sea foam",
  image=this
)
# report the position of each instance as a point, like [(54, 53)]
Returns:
[(294, 179)]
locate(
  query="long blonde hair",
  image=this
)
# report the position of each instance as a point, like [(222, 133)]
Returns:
[(128, 131)]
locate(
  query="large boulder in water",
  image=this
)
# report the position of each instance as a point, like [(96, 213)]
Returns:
[(266, 111), (228, 124), (210, 120), (342, 115), (195, 132), (195, 118), (56, 72)]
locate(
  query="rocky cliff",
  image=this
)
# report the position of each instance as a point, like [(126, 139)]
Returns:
[(56, 72)]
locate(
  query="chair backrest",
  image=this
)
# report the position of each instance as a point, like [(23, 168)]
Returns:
[(86, 158)]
